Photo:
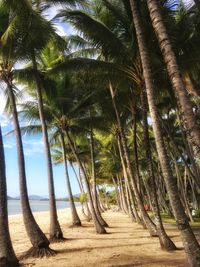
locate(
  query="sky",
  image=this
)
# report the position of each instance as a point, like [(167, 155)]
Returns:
[(33, 149)]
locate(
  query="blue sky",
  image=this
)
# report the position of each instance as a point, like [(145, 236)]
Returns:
[(35, 165)]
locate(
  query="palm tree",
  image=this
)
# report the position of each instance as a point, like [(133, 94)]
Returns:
[(165, 242), (57, 109), (83, 196), (55, 229), (150, 225), (197, 3), (189, 241), (99, 228), (9, 56), (75, 218), (7, 254), (32, 44), (96, 202), (184, 104), (64, 108)]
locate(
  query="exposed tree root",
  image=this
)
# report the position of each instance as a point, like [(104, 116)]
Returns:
[(76, 223), (36, 252), (4, 262), (133, 219), (100, 230), (166, 243), (87, 217), (153, 233), (105, 224), (55, 239)]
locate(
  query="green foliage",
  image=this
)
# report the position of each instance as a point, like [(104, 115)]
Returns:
[(83, 197), (196, 213), (112, 198)]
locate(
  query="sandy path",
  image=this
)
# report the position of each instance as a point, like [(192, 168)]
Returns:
[(127, 244)]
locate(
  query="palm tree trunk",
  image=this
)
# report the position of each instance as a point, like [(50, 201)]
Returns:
[(183, 101), (36, 236), (101, 201), (75, 218), (120, 193), (194, 172), (7, 254), (96, 204), (55, 229), (197, 3), (150, 225), (124, 203), (130, 210), (137, 218), (182, 191), (133, 206), (77, 179), (88, 213), (99, 228), (165, 242), (190, 243), (135, 146), (117, 193)]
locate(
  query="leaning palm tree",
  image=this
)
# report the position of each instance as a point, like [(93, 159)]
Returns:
[(96, 201), (32, 44), (71, 108), (7, 254), (99, 228), (56, 108), (9, 56), (197, 3), (190, 243), (73, 115), (184, 104), (55, 230), (150, 225), (75, 218)]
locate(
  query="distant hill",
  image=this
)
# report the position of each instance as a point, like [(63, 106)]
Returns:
[(36, 197), (31, 197), (76, 198), (9, 198)]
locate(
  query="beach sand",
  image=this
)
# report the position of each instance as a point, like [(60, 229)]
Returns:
[(126, 244)]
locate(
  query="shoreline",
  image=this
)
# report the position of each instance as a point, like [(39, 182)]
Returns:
[(36, 213), (14, 207)]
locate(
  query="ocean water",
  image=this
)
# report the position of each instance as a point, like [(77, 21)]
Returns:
[(14, 206)]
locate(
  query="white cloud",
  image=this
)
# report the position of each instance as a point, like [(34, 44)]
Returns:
[(32, 147), (52, 11), (9, 145), (4, 121), (33, 150), (188, 2), (60, 30), (33, 142), (2, 102)]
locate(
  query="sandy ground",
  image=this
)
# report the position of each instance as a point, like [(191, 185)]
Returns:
[(126, 244)]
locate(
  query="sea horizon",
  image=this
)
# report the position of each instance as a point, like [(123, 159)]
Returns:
[(14, 206)]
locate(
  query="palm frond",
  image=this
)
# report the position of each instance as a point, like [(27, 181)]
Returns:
[(100, 35)]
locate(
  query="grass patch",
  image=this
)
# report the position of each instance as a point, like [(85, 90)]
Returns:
[(166, 218)]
